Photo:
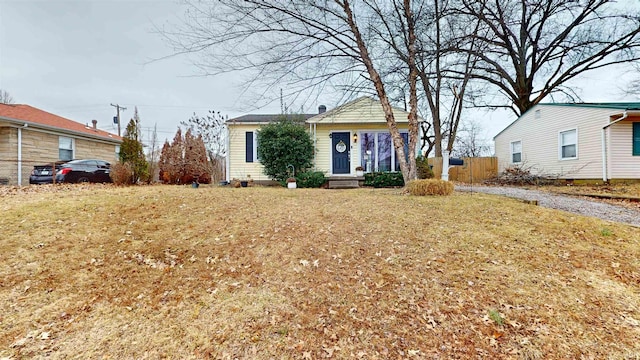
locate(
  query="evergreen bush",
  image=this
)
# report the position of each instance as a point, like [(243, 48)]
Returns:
[(423, 169), (311, 179), (283, 144), (384, 179)]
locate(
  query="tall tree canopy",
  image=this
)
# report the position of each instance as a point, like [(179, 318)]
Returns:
[(305, 44), (530, 49), (435, 57)]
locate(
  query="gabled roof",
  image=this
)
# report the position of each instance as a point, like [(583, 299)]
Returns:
[(20, 114), (264, 118), (619, 106), (361, 110)]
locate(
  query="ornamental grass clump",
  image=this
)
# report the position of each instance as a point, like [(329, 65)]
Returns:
[(430, 187)]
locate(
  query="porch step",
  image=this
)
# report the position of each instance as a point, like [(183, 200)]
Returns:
[(345, 182)]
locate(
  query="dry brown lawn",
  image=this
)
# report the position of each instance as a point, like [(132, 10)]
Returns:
[(263, 273), (628, 190)]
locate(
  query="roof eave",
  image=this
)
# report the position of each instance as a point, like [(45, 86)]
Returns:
[(58, 130)]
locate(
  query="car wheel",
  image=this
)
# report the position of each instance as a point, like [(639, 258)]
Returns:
[(83, 180)]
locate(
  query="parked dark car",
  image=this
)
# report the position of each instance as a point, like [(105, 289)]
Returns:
[(77, 171), (43, 174)]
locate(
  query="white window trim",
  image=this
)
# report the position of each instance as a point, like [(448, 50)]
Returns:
[(511, 152), (255, 147), (560, 145), (73, 146), (375, 147)]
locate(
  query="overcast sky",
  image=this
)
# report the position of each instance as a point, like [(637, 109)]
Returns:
[(74, 58)]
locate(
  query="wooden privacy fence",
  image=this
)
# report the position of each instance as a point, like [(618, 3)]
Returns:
[(474, 170)]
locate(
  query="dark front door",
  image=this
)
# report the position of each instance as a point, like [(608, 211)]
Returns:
[(341, 149)]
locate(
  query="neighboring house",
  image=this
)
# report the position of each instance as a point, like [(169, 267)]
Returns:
[(30, 136), (354, 134), (585, 141)]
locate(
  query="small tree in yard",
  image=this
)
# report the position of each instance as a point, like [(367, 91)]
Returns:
[(184, 160), (196, 165), (281, 144), (131, 152)]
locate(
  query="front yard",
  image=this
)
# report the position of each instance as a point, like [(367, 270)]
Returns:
[(261, 273)]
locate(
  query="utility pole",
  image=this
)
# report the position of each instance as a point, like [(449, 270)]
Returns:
[(118, 107)]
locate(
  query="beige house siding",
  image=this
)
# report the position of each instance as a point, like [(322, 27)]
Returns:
[(40, 147), (323, 142), (239, 168), (360, 111), (622, 163), (539, 130), (363, 114), (8, 155)]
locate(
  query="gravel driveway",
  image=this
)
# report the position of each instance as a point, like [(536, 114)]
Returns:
[(561, 202)]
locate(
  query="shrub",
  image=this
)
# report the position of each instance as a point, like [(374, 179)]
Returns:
[(384, 179), (430, 187), (121, 174), (423, 169), (283, 144), (310, 179)]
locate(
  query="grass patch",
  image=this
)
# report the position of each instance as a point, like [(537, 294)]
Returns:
[(261, 273)]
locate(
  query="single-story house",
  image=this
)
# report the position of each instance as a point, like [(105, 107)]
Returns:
[(30, 136), (581, 141), (354, 134)]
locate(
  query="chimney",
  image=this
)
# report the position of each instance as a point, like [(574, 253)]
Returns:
[(321, 109), (95, 124)]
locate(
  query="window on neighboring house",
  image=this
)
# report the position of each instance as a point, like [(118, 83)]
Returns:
[(636, 139), (65, 148), (251, 147), (117, 152), (516, 152), (569, 144)]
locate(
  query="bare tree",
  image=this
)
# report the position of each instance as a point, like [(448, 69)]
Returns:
[(212, 128), (153, 153), (5, 97), (305, 44), (470, 141), (442, 71), (530, 49)]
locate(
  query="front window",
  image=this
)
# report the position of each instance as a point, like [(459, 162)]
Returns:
[(376, 149), (65, 148), (569, 144), (516, 152)]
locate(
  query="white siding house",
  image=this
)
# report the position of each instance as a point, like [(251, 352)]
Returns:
[(574, 141)]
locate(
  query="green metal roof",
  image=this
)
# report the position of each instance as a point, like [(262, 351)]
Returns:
[(608, 105)]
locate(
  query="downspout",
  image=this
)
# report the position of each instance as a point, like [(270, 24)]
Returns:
[(228, 160), (312, 130), (20, 153), (604, 145)]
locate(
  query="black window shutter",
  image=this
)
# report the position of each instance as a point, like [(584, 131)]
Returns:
[(249, 146)]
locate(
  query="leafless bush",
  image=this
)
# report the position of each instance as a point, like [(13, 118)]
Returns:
[(122, 174), (521, 175)]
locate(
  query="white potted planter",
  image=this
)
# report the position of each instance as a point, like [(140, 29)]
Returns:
[(291, 183), (359, 171)]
